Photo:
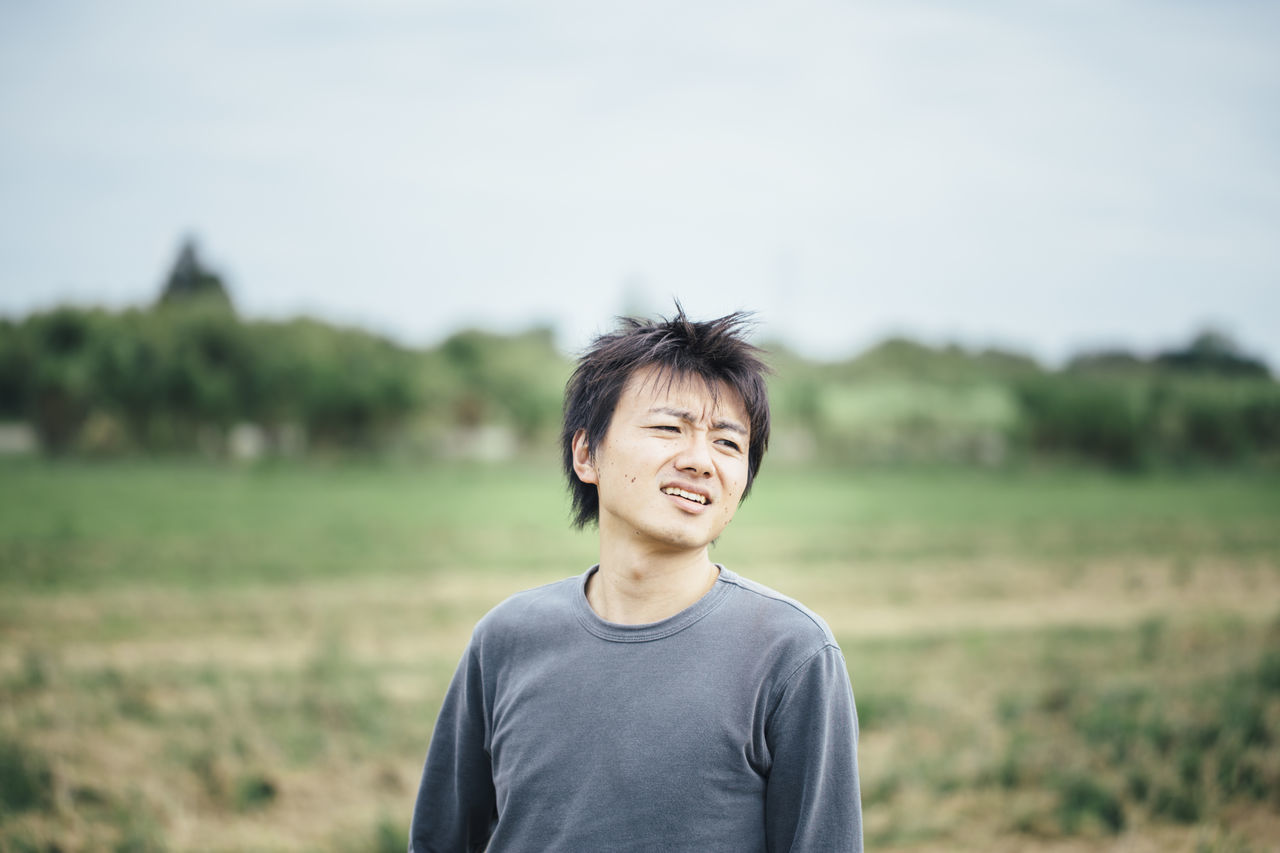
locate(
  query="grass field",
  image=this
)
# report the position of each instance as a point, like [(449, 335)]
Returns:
[(195, 657)]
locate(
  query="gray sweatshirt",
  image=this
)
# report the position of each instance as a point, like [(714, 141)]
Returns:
[(729, 726)]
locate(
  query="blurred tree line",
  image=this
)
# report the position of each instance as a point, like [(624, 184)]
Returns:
[(1202, 404), (182, 378), (189, 375)]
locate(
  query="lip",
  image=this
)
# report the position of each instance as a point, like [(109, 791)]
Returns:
[(687, 505)]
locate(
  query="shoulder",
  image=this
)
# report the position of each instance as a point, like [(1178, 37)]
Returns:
[(778, 626), (775, 611), (528, 613), (793, 643)]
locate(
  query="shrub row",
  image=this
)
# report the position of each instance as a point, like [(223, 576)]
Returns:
[(160, 379), (1132, 422)]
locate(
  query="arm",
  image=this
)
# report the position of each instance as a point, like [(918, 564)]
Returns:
[(812, 801), (455, 808)]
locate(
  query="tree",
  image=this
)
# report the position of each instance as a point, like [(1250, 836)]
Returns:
[(190, 281), (1213, 351)]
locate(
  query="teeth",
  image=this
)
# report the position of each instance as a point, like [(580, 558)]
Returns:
[(672, 490)]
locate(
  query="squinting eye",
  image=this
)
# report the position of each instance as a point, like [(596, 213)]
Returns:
[(727, 443)]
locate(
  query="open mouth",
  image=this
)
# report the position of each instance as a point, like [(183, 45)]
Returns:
[(689, 496)]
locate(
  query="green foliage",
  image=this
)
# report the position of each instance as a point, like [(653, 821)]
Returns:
[(1083, 800), (181, 376), (1212, 352), (254, 791), (1112, 721), (1176, 804), (26, 779), (139, 830), (1128, 421), (59, 387), (159, 380), (1209, 353), (906, 402), (390, 836), (17, 362), (902, 359), (190, 282), (1214, 420), (1269, 671), (517, 380), (894, 421), (1093, 418), (1180, 754), (346, 387)]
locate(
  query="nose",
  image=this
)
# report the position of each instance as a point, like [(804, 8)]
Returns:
[(695, 456)]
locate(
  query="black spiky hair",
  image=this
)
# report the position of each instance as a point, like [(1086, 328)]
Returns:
[(714, 351)]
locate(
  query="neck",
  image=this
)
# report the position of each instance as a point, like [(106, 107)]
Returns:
[(633, 588)]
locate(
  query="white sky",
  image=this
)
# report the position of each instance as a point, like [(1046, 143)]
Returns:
[(1046, 176)]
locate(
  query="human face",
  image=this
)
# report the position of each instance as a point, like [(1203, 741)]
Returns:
[(673, 464)]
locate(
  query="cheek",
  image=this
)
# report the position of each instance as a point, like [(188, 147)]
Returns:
[(728, 508)]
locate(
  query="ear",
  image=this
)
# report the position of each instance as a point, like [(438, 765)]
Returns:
[(583, 465)]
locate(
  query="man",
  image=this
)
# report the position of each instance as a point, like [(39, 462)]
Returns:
[(659, 701)]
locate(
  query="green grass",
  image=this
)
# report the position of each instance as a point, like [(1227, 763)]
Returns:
[(79, 526), (1038, 656), (73, 526)]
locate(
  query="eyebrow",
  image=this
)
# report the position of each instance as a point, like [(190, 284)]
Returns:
[(687, 416)]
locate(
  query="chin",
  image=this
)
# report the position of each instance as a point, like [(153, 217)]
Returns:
[(688, 541)]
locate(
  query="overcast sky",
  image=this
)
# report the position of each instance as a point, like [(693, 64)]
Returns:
[(1047, 176)]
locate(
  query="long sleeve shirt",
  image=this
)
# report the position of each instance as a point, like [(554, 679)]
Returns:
[(729, 726)]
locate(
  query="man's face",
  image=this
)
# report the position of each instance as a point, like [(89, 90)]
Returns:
[(673, 464)]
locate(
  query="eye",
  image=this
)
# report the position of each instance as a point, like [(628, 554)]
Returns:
[(730, 443), (666, 428)]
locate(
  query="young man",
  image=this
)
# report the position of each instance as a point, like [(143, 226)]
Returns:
[(657, 702)]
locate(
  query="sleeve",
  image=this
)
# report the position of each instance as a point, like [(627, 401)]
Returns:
[(812, 799), (456, 807)]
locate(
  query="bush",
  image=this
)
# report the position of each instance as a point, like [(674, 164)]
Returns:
[(1092, 418), (181, 376), (1197, 419)]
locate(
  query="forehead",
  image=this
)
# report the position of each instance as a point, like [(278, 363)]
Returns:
[(653, 387)]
